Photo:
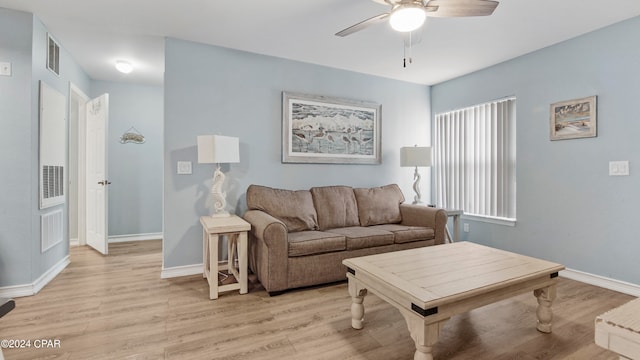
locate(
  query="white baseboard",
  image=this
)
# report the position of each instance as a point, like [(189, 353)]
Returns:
[(36, 286), (135, 237), (188, 270), (74, 242), (177, 271), (601, 281)]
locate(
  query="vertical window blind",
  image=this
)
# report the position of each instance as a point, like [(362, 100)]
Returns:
[(475, 159)]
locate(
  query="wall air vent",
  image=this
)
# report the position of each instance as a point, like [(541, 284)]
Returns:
[(53, 55), (52, 181), (51, 225)]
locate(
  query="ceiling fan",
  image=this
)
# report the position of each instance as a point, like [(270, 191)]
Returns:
[(409, 15)]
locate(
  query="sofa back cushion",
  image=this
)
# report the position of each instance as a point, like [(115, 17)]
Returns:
[(379, 205), (293, 207), (336, 206)]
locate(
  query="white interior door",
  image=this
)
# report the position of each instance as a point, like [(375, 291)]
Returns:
[(97, 118)]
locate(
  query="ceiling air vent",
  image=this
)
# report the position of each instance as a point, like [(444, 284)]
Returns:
[(53, 55)]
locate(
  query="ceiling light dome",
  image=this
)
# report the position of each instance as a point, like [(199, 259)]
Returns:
[(407, 17), (123, 66)]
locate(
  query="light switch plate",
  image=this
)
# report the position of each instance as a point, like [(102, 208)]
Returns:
[(184, 167), (5, 68), (619, 168)]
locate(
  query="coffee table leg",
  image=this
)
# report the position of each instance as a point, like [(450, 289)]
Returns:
[(424, 335), (545, 315), (357, 307)]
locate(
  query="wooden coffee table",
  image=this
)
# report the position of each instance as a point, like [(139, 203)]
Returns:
[(430, 284), (619, 330)]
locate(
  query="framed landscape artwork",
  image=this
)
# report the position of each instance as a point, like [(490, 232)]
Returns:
[(573, 119), (326, 130)]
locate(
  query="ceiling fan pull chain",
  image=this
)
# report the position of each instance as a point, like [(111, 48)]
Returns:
[(410, 47), (404, 49), (404, 54)]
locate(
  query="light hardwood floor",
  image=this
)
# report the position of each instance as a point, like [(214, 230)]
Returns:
[(117, 307)]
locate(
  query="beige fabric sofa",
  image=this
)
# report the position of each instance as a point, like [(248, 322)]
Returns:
[(299, 238)]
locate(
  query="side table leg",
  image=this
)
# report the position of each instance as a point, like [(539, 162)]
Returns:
[(545, 298), (357, 307), (456, 228), (242, 262), (205, 252), (213, 266), (231, 252)]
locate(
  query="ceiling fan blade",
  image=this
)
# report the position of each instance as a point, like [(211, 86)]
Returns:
[(363, 24), (461, 8)]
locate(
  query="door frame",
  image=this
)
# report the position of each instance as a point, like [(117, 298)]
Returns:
[(79, 161)]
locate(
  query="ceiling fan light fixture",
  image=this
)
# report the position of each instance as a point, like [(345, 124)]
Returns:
[(407, 17), (124, 66)]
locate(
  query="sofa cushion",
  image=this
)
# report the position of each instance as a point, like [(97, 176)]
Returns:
[(336, 206), (314, 242), (364, 237), (379, 205), (404, 234), (293, 207)]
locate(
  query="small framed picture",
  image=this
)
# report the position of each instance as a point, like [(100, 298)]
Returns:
[(573, 119)]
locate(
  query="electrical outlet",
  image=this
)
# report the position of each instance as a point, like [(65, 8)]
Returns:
[(5, 68), (184, 167), (465, 227), (619, 168)]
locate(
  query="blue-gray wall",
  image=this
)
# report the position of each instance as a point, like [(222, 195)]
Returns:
[(213, 90), (24, 44), (135, 170), (18, 199), (569, 209)]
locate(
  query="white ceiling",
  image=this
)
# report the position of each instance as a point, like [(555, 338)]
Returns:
[(97, 32)]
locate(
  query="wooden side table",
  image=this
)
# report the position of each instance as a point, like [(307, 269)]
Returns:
[(456, 224), (619, 330), (236, 230)]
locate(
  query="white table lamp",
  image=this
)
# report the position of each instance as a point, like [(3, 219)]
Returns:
[(217, 149), (415, 156)]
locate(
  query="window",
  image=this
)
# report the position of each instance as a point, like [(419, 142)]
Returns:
[(475, 160)]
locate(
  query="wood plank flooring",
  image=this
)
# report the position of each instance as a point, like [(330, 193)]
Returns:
[(117, 307)]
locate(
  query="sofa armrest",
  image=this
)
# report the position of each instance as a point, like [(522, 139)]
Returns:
[(267, 228), (418, 215), (268, 249)]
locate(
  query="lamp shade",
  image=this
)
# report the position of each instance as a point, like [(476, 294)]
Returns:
[(415, 156), (218, 149)]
